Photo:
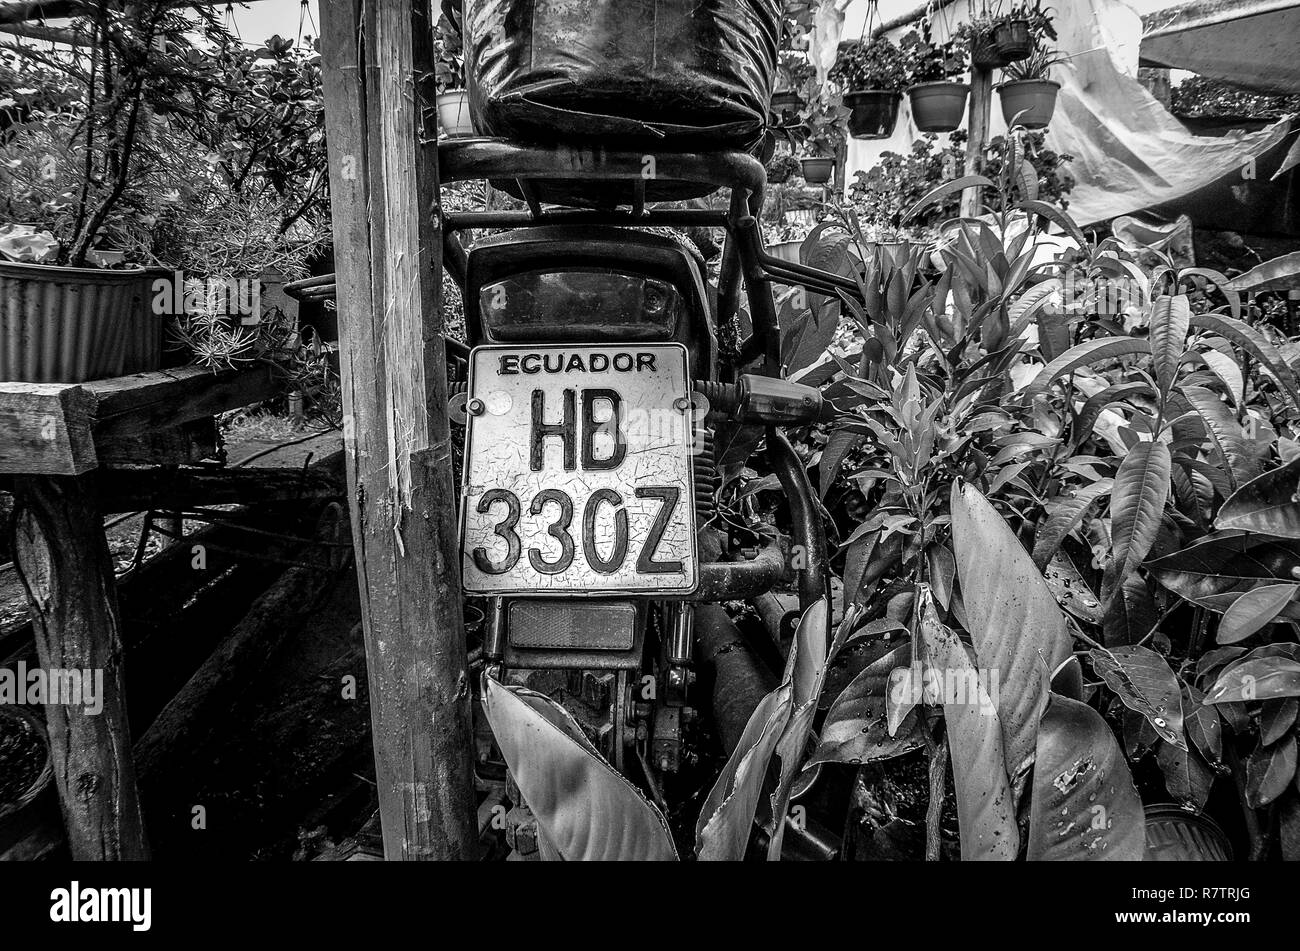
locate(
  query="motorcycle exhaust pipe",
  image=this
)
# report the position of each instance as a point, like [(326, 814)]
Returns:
[(740, 678)]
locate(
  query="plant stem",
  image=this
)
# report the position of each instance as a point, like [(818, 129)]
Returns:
[(938, 753)]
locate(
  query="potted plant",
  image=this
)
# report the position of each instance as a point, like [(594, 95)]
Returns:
[(449, 76), (938, 101), (977, 35), (74, 181), (795, 79), (822, 140), (872, 75), (781, 166), (1016, 34), (1029, 93)]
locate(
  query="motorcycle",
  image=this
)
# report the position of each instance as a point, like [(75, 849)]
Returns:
[(604, 380)]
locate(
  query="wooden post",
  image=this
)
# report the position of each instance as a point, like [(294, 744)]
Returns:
[(379, 101), (64, 564), (981, 113)]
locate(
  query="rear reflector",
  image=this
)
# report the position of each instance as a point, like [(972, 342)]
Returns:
[(550, 625)]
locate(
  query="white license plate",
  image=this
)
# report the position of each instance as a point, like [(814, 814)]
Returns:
[(578, 472)]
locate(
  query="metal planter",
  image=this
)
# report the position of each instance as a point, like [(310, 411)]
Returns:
[(71, 325)]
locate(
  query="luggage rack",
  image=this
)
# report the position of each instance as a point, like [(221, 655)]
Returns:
[(538, 172)]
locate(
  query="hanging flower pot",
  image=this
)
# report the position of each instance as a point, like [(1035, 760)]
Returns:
[(874, 113), (71, 325), (817, 171), (1034, 100), (453, 114), (780, 167), (1176, 835), (938, 107), (984, 54), (1013, 40), (786, 105)]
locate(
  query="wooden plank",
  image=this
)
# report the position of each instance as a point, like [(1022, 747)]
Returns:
[(383, 187), (162, 418), (65, 566), (138, 404), (45, 429)]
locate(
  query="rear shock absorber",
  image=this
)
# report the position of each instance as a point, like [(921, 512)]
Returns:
[(706, 477)]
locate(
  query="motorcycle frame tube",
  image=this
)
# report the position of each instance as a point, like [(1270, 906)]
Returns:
[(805, 515)]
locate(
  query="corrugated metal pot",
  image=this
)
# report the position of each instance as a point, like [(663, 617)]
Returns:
[(1176, 835), (70, 325)]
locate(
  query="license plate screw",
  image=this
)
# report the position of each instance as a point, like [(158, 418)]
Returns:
[(681, 404), (476, 407)]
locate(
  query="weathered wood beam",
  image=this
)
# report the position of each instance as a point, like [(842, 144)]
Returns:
[(384, 192), (71, 428), (64, 563), (45, 429)]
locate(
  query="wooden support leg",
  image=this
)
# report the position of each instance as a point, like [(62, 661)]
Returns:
[(63, 560)]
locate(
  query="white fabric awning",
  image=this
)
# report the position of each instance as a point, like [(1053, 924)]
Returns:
[(1246, 42)]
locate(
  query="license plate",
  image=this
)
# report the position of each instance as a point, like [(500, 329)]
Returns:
[(578, 472)]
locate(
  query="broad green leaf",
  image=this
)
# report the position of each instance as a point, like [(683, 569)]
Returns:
[(986, 812), (1056, 217), (1170, 320), (1017, 626), (840, 444), (944, 190), (1085, 807), (1219, 280), (1267, 505), (1269, 771), (1096, 405), (901, 697), (1142, 680), (1065, 515), (1137, 503), (856, 729), (1186, 777), (1252, 341), (1228, 370), (812, 642), (1277, 718), (1204, 729), (1254, 610), (550, 759), (1131, 614), (727, 818), (1099, 350), (1219, 568), (1265, 678), (1225, 432)]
